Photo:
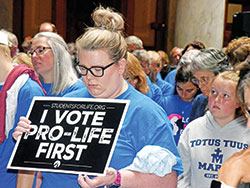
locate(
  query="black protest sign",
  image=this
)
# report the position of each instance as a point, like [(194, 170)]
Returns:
[(70, 135)]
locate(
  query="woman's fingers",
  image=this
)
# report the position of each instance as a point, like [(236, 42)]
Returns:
[(82, 181), (22, 126)]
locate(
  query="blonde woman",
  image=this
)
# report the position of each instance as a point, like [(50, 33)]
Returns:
[(102, 55)]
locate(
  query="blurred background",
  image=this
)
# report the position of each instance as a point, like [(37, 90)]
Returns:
[(161, 24)]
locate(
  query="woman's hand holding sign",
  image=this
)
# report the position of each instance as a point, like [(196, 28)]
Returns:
[(98, 181), (22, 126)]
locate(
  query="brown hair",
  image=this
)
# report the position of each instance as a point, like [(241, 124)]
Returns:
[(244, 82), (134, 70), (238, 50)]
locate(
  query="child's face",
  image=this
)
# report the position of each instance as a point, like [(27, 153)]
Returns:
[(222, 100)]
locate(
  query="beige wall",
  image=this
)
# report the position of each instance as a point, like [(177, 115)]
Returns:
[(6, 14), (201, 20)]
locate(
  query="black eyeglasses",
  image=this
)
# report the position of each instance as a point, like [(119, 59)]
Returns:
[(39, 50), (96, 71)]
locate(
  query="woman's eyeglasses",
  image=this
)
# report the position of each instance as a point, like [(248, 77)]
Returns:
[(39, 50), (203, 80), (96, 71)]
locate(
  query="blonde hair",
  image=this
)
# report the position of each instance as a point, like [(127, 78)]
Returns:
[(164, 58), (155, 58), (230, 75), (234, 77), (134, 70), (107, 34), (22, 58), (6, 51)]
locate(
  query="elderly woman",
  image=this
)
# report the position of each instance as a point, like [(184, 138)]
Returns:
[(205, 66)]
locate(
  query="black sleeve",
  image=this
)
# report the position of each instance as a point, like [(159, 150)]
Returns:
[(215, 184)]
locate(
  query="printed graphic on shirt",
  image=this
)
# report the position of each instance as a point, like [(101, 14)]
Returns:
[(209, 166), (178, 122)]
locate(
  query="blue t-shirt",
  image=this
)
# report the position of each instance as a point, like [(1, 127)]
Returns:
[(155, 92), (141, 127), (25, 96), (178, 112), (78, 85), (170, 78), (159, 76), (48, 88), (166, 88), (199, 107)]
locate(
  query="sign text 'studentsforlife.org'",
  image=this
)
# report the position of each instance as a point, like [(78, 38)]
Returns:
[(70, 135)]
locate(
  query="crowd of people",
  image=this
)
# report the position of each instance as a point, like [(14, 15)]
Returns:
[(187, 124)]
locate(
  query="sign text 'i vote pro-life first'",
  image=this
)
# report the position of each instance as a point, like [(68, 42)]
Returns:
[(70, 135)]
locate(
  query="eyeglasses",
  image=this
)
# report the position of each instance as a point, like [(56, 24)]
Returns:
[(96, 71), (39, 50), (203, 80)]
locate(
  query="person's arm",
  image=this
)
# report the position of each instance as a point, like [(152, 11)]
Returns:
[(135, 179), (25, 179), (236, 169), (152, 167), (131, 179), (39, 180)]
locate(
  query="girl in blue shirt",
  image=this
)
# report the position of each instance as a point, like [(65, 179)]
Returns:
[(178, 106)]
